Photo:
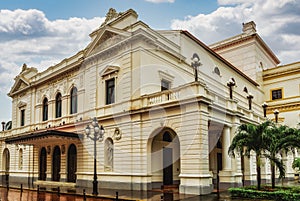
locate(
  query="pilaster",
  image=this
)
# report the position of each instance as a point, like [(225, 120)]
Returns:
[(195, 177)]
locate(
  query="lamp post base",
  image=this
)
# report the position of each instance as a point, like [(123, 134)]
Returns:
[(95, 187)]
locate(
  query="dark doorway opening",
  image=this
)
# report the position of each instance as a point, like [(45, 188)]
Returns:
[(168, 166), (72, 163), (43, 164), (56, 164), (167, 161)]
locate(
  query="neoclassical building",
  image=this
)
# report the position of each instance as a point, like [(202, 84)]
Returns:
[(168, 104)]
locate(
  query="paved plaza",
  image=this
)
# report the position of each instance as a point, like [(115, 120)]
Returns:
[(15, 194)]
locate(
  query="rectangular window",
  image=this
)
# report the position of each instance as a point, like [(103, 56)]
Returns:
[(110, 91), (276, 94), (165, 85), (22, 123)]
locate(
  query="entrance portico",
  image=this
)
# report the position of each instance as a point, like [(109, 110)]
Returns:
[(56, 156)]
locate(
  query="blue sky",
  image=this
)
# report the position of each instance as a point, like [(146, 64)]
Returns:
[(159, 15), (42, 33)]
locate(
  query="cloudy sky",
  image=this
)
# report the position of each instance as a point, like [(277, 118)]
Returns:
[(42, 33)]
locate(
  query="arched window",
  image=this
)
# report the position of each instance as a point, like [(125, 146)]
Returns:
[(45, 109), (58, 105), (217, 71), (20, 159), (167, 137), (73, 105), (108, 154), (6, 160)]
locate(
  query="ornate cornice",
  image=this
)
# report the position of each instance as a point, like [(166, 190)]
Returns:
[(288, 107)]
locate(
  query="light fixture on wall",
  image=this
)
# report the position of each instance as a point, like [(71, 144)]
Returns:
[(230, 84), (195, 64), (3, 125), (250, 97), (276, 113), (264, 106)]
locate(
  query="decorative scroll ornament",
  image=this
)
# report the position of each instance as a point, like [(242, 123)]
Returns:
[(111, 14)]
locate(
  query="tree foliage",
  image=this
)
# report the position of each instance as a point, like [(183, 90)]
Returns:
[(266, 140), (250, 137)]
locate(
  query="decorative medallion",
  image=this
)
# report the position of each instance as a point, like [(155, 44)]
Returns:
[(117, 134)]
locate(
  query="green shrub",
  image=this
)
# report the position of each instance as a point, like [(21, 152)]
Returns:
[(279, 193)]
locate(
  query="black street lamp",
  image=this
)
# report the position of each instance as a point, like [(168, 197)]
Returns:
[(195, 64), (264, 106), (230, 84), (97, 134), (276, 113)]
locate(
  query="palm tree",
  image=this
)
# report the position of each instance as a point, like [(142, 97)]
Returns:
[(280, 139), (250, 137)]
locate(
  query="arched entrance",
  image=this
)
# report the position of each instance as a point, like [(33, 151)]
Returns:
[(43, 164), (6, 166), (56, 157), (165, 158), (72, 163)]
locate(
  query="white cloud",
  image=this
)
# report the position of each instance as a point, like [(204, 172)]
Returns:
[(27, 36), (277, 23), (161, 1)]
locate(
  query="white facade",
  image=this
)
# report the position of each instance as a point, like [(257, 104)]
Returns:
[(162, 127)]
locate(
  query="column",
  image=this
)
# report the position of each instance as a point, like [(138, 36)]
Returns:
[(226, 174), (230, 175), (226, 159)]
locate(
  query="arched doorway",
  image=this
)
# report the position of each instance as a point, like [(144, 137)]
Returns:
[(6, 165), (56, 157), (165, 158), (43, 164), (72, 163)]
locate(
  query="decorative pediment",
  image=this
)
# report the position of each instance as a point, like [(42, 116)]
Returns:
[(108, 70), (106, 37), (21, 104), (20, 84)]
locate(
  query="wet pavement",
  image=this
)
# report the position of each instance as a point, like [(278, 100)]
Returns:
[(17, 193), (14, 194)]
